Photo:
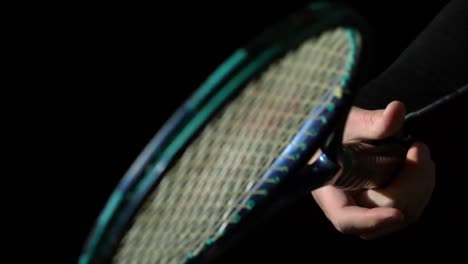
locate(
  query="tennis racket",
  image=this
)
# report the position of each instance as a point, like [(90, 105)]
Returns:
[(244, 138)]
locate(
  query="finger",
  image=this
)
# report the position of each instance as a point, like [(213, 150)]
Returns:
[(411, 190), (426, 168), (331, 199), (431, 182), (419, 152), (375, 124), (376, 198), (358, 220), (417, 170), (348, 218)]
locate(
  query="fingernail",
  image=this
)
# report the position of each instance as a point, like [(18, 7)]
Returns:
[(387, 108), (385, 112), (424, 152)]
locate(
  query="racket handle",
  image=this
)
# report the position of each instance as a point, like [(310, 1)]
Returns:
[(368, 165)]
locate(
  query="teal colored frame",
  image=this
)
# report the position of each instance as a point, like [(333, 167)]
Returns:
[(225, 82)]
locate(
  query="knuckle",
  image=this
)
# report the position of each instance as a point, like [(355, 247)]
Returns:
[(371, 118), (391, 203), (342, 228), (373, 224), (338, 226)]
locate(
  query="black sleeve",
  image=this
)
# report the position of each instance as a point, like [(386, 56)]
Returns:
[(433, 65)]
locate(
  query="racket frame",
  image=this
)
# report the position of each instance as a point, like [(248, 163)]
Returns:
[(223, 85)]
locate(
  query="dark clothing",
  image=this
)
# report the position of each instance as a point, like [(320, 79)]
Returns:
[(435, 64)]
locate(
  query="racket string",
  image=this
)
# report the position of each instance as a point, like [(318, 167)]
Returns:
[(218, 172)]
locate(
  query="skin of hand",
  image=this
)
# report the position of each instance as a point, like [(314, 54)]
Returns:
[(375, 213)]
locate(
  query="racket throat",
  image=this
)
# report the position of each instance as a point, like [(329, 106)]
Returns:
[(319, 173)]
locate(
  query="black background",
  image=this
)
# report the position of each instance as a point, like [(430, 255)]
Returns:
[(122, 69)]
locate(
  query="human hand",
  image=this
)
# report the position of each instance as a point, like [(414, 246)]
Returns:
[(374, 213)]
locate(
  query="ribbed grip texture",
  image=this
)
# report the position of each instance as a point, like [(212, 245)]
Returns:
[(367, 165)]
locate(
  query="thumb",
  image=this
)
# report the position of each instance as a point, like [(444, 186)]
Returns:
[(374, 124), (355, 220)]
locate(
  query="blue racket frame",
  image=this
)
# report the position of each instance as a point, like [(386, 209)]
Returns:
[(219, 88)]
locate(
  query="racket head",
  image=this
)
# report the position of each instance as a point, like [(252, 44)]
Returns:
[(113, 234)]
